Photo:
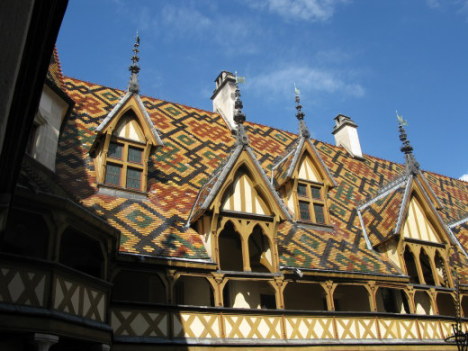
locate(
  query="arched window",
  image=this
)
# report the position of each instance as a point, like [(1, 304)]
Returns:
[(126, 162), (423, 303), (26, 234), (195, 291), (230, 249), (305, 296), (138, 287), (426, 268), (259, 251), (82, 253), (464, 305), (446, 305), (410, 264), (441, 270), (351, 298), (249, 294), (392, 301)]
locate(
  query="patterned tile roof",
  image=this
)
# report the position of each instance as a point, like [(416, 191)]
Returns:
[(54, 73), (196, 143), (315, 249), (380, 217)]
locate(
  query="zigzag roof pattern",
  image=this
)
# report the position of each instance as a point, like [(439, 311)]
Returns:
[(54, 73), (195, 144)]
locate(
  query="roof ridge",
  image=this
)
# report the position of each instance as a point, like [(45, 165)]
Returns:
[(143, 96), (251, 123), (59, 66)]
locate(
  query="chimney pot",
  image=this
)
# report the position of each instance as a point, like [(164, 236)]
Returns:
[(345, 132)]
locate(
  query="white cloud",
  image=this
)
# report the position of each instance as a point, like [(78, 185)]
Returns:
[(433, 4), (306, 10), (464, 177), (280, 81), (231, 34)]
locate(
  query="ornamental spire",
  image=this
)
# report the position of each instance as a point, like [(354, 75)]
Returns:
[(412, 166), (239, 115), (134, 86), (303, 130)]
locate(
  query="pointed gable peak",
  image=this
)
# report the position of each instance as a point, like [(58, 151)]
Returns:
[(212, 196), (304, 156), (131, 104)]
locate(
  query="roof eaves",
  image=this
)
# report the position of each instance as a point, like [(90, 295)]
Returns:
[(269, 185), (214, 190), (297, 153), (364, 231), (457, 223), (403, 204), (323, 163), (148, 121), (383, 192)]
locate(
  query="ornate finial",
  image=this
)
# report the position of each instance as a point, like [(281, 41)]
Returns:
[(304, 131), (134, 86), (412, 166), (239, 116)]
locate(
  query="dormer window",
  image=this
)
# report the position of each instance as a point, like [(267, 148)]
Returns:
[(311, 202), (125, 164)]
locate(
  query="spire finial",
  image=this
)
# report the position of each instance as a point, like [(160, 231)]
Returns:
[(304, 131), (239, 115), (412, 166), (134, 86)]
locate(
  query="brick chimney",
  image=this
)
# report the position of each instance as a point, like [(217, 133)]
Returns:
[(345, 132), (223, 97)]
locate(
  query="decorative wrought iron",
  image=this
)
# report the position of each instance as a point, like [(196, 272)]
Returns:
[(459, 337)]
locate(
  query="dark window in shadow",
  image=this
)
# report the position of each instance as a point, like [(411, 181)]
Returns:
[(260, 252), (304, 296), (82, 253), (195, 291), (426, 268), (26, 234), (411, 266), (446, 305), (139, 287), (392, 301), (230, 249), (441, 270), (351, 298)]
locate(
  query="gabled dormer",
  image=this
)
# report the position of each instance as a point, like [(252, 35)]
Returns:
[(238, 210), (124, 142), (403, 222), (303, 179)]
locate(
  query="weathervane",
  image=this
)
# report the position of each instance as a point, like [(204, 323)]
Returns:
[(304, 131), (412, 166), (239, 115), (134, 86)]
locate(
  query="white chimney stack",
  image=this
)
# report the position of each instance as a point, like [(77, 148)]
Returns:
[(345, 132), (223, 97)]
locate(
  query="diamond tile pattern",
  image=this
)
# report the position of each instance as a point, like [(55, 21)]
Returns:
[(196, 144)]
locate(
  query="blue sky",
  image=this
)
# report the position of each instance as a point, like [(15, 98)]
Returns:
[(361, 58)]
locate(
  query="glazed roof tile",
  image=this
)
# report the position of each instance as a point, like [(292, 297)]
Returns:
[(196, 143), (54, 73)]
